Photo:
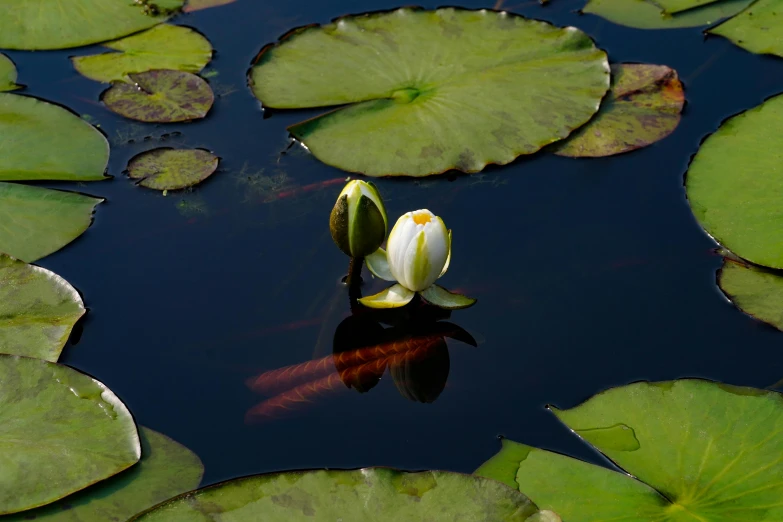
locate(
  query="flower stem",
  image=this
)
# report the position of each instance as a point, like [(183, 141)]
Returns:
[(354, 282)]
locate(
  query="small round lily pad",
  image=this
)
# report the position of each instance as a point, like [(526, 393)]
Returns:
[(423, 92), (160, 96), (162, 47), (172, 169), (643, 106)]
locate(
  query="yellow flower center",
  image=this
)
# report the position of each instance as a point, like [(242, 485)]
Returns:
[(421, 218)]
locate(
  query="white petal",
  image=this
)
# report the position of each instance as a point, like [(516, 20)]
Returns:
[(437, 248), (416, 267), (448, 259), (401, 234)]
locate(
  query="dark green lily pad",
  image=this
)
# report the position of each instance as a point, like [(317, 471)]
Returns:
[(162, 47), (429, 91), (7, 74), (60, 24), (644, 14), (42, 141), (161, 96), (376, 494), (38, 309), (701, 451), (172, 169), (60, 431), (758, 29), (197, 5), (166, 469), (755, 290), (40, 221), (735, 184), (643, 107)]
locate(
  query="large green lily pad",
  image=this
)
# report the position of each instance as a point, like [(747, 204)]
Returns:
[(172, 169), (429, 91), (166, 469), (377, 494), (675, 6), (757, 29), (7, 74), (644, 14), (60, 431), (160, 96), (60, 24), (735, 184), (701, 451), (42, 141), (755, 290), (162, 47), (643, 107), (38, 309), (38, 221)]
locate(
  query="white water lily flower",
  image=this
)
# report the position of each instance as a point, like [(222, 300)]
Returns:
[(358, 221), (419, 252)]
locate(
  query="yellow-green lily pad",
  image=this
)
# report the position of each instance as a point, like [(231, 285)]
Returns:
[(162, 47), (429, 91), (43, 141), (61, 24), (166, 469), (60, 432), (7, 74), (160, 96), (172, 169), (735, 184), (758, 28), (693, 451), (644, 14), (40, 221), (755, 290), (370, 494), (643, 107), (38, 309)]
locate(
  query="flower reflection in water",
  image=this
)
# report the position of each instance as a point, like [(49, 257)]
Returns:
[(413, 348)]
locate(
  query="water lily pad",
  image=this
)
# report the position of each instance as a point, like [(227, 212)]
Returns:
[(172, 169), (701, 451), (757, 29), (166, 469), (60, 24), (7, 74), (39, 221), (644, 14), (160, 96), (735, 184), (675, 6), (429, 91), (755, 290), (643, 107), (38, 309), (377, 494), (162, 47), (197, 5), (42, 141), (60, 431)]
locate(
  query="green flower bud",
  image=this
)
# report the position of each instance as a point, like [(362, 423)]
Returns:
[(358, 221)]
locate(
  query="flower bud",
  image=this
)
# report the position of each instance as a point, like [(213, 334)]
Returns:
[(358, 221), (418, 249)]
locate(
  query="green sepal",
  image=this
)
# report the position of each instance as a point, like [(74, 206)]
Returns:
[(366, 228), (393, 297), (338, 225), (442, 298), (378, 264)]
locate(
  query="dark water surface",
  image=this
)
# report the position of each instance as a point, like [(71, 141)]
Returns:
[(589, 273)]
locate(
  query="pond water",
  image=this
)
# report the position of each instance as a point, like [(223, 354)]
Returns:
[(589, 273)]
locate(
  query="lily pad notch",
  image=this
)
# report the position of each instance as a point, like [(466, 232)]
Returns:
[(489, 99)]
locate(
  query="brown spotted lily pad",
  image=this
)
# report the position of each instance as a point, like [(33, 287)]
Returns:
[(160, 96), (643, 106), (172, 169)]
